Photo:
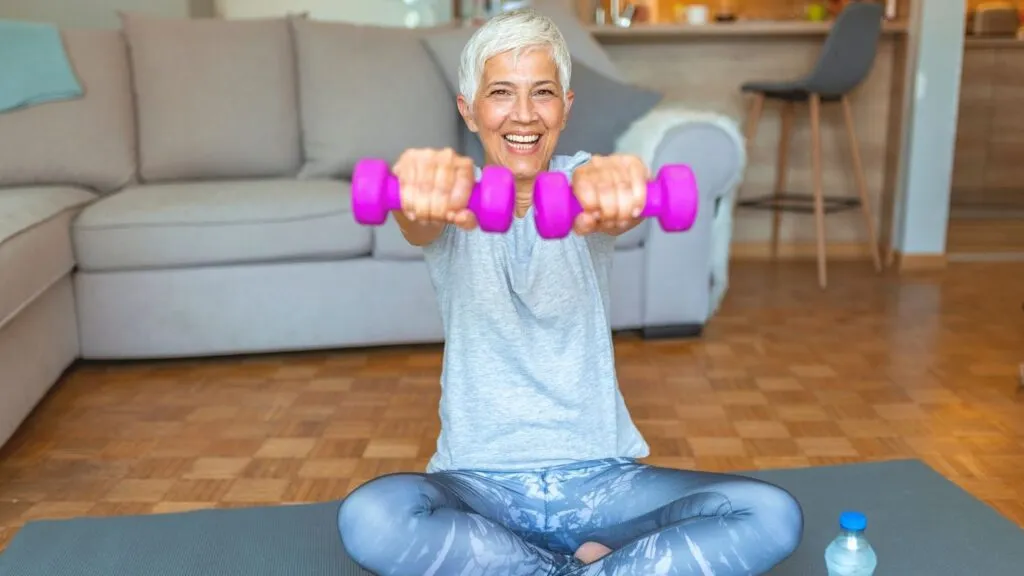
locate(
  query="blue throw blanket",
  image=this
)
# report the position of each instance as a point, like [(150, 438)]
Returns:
[(34, 66)]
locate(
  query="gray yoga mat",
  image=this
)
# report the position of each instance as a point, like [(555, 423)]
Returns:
[(920, 524)]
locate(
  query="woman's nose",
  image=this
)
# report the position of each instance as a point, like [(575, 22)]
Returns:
[(523, 110)]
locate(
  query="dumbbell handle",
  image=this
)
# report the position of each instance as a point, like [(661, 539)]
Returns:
[(672, 198), (655, 199), (393, 195), (376, 192)]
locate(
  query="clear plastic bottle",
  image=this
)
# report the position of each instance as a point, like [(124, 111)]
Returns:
[(850, 553)]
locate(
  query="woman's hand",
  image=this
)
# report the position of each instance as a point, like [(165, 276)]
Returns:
[(612, 190), (435, 187)]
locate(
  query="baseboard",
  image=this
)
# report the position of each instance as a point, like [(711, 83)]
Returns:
[(672, 331), (848, 251), (918, 262), (800, 251)]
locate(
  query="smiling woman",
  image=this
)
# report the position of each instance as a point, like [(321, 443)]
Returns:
[(512, 96), (536, 471)]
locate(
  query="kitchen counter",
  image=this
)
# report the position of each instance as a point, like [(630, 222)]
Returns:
[(702, 67), (607, 33), (975, 42)]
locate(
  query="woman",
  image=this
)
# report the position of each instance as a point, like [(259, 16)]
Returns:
[(536, 469)]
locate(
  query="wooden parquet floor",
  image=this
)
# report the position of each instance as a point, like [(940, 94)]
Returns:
[(876, 367)]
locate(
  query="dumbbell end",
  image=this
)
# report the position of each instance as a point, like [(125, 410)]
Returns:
[(555, 207), (373, 192), (494, 199), (680, 198)]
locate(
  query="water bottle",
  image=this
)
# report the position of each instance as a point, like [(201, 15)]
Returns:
[(850, 554)]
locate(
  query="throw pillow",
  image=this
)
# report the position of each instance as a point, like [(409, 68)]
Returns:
[(367, 91), (215, 98)]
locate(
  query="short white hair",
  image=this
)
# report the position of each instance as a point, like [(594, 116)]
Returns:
[(516, 31)]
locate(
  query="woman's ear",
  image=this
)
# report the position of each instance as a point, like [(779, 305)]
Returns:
[(569, 98), (467, 113)]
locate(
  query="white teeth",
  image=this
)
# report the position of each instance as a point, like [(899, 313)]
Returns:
[(521, 139)]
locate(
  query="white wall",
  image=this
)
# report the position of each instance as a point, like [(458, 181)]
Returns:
[(379, 12), (90, 13), (103, 13), (930, 121)]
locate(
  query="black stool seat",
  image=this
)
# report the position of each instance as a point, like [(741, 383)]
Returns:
[(846, 58)]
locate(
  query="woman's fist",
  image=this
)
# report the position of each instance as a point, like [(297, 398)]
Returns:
[(612, 190), (435, 186)]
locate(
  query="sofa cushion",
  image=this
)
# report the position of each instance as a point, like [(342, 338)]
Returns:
[(351, 108), (221, 222), (216, 98), (35, 243), (83, 142)]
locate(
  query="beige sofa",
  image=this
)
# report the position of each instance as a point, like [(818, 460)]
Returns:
[(194, 201)]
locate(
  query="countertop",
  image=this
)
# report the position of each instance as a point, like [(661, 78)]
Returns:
[(992, 42), (669, 31)]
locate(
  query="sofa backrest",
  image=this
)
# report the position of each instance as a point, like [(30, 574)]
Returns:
[(200, 99), (89, 141), (214, 98)]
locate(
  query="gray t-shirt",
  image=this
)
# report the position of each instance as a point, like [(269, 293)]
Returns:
[(528, 379)]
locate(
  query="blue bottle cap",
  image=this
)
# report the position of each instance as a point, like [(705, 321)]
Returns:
[(854, 521)]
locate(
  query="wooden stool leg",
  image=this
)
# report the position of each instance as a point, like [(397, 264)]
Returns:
[(862, 187), (819, 200), (781, 170), (756, 109)]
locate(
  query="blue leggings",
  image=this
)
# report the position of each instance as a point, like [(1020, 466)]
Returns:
[(657, 521)]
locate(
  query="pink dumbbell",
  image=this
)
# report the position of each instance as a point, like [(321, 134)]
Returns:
[(672, 198), (375, 193)]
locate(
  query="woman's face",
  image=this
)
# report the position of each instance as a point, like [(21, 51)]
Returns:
[(519, 111)]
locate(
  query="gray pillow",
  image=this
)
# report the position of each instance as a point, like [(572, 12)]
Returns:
[(602, 110)]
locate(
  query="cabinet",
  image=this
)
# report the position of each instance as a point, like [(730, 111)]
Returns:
[(988, 168)]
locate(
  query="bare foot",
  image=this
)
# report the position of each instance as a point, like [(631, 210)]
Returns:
[(591, 552)]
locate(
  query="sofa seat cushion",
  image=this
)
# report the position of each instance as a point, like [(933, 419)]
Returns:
[(219, 222), (35, 242)]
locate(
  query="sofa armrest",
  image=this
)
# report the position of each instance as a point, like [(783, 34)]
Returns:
[(687, 273)]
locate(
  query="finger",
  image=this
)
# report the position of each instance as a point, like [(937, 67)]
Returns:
[(639, 175), (422, 189), (403, 174), (465, 220), (409, 190), (623, 194), (584, 190), (463, 184), (441, 189), (585, 224), (608, 203)]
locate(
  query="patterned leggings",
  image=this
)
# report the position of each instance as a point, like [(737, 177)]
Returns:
[(657, 522)]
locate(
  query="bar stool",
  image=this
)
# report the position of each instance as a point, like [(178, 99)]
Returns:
[(845, 61)]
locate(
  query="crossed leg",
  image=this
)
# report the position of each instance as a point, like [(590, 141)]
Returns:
[(659, 521), (655, 521), (441, 524)]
